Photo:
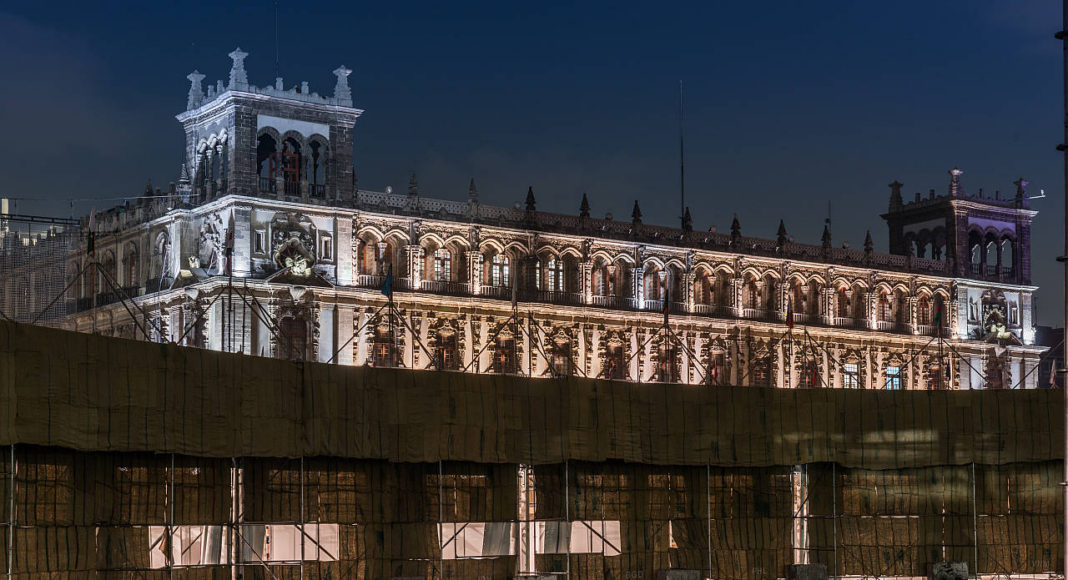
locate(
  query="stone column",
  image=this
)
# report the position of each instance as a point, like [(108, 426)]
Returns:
[(585, 281), (736, 295), (638, 286), (345, 319), (474, 271), (415, 265), (344, 257), (687, 290)]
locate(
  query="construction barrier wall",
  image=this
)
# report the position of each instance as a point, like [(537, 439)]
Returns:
[(130, 459)]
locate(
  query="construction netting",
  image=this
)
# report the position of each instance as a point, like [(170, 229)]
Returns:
[(78, 514), (35, 269), (131, 459)]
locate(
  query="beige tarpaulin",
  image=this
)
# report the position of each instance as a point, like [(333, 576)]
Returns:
[(94, 393)]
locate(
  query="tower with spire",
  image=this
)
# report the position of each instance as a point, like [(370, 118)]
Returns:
[(269, 141), (976, 236)]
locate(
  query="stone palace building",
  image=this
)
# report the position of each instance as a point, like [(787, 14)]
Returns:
[(266, 246)]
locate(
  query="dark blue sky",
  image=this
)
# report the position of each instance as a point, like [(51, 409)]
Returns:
[(789, 105)]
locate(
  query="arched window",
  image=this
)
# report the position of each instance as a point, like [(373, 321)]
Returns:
[(383, 348), (500, 270), (267, 166), (923, 310), (884, 308), (1008, 264), (504, 355), (292, 338), (613, 368), (667, 370), (561, 359), (130, 263), (448, 358), (652, 283), (554, 275), (703, 289), (442, 264), (316, 171), (291, 163), (991, 254), (842, 303)]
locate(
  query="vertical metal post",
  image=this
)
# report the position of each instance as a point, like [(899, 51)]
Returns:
[(11, 514), (1063, 36), (441, 521), (834, 514), (567, 512), (169, 543), (708, 512), (975, 523), (301, 519), (235, 548)]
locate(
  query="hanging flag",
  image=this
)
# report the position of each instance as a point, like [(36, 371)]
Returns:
[(790, 314), (387, 286)]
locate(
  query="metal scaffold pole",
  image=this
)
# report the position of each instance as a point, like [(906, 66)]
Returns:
[(11, 514), (1063, 147)]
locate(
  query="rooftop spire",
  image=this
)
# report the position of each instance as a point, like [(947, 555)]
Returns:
[(530, 202), (736, 229), (413, 185), (196, 93), (780, 236), (1021, 188), (687, 221), (826, 239), (238, 78), (954, 182), (472, 191), (868, 245), (342, 92), (584, 207), (636, 214), (895, 195)]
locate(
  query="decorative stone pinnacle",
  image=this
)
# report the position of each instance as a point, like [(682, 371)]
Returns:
[(736, 228), (636, 215), (472, 191), (584, 207), (1021, 186), (780, 235), (687, 221), (238, 77), (413, 185), (342, 92), (530, 203), (826, 239), (954, 182), (196, 93)]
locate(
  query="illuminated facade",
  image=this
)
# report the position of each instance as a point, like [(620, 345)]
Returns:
[(515, 290)]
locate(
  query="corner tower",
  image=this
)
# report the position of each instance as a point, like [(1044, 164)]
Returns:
[(273, 142), (978, 237)]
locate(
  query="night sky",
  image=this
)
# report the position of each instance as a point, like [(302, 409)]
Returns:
[(789, 105)]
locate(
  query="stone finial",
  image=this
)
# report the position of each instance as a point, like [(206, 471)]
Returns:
[(736, 229), (826, 238), (687, 221), (183, 176), (413, 185), (895, 195), (1021, 188), (342, 92), (780, 236), (868, 245), (636, 214), (954, 182), (196, 93), (472, 191), (584, 207), (530, 203), (238, 77)]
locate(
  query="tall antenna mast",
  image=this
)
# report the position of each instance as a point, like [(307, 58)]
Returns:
[(681, 160), (1063, 147), (277, 68)]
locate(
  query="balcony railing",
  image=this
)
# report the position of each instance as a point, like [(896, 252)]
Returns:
[(559, 297), (625, 303), (105, 298), (496, 291), (268, 185), (445, 286), (292, 188), (370, 280), (317, 190)]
